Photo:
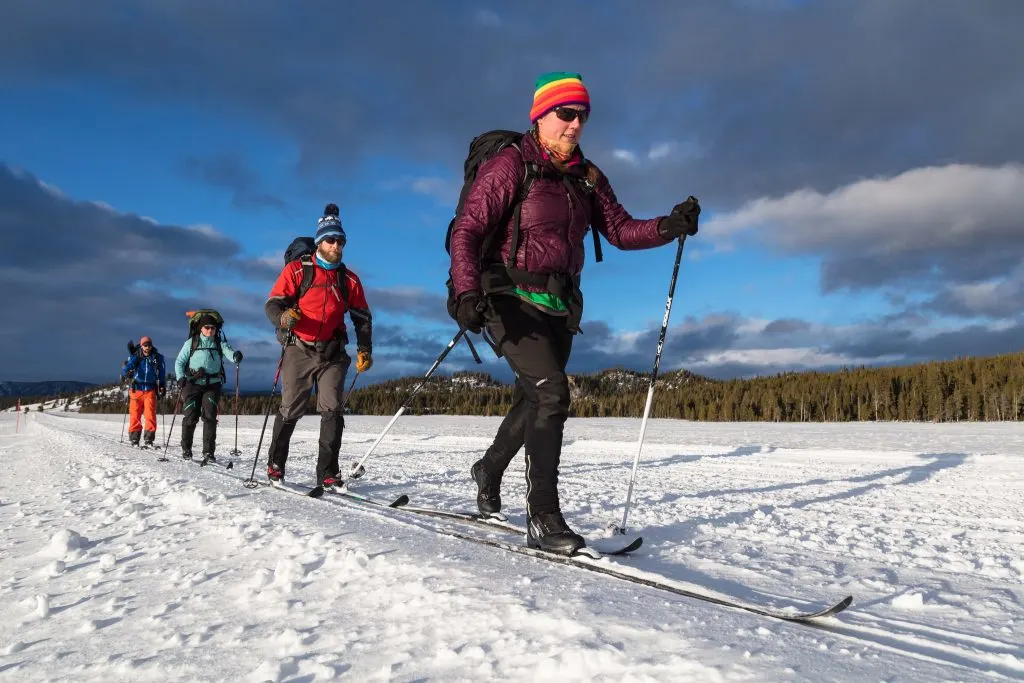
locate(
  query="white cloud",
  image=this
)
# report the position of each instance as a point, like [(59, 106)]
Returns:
[(926, 230), (626, 156), (444, 190), (205, 229), (920, 208), (802, 357), (660, 151)]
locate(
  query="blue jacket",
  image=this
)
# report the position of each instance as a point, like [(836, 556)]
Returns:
[(147, 372), (206, 358)]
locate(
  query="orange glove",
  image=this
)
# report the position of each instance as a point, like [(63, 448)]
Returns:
[(289, 318), (364, 361)]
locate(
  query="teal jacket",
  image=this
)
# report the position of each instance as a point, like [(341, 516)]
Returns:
[(205, 358)]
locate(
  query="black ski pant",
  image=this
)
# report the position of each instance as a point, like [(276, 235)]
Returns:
[(303, 365), (200, 401), (537, 347)]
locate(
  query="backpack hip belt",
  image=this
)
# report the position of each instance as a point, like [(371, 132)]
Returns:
[(499, 279)]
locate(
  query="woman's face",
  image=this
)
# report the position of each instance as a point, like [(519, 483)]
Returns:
[(563, 124)]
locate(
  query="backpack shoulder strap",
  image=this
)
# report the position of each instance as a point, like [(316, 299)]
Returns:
[(308, 273), (191, 352), (218, 339), (588, 191), (343, 283), (531, 171)]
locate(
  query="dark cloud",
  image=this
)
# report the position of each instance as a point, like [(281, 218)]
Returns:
[(84, 279), (230, 172), (409, 301), (1000, 300), (786, 326), (726, 100)]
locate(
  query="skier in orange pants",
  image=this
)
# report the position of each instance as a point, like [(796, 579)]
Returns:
[(145, 367)]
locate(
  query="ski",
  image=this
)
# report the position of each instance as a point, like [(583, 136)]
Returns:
[(600, 546), (308, 491), (586, 562), (206, 462), (589, 560), (319, 491), (399, 502)]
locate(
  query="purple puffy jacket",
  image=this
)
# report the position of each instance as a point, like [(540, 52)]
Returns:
[(553, 221)]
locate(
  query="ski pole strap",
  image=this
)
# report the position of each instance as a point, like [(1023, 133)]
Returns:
[(472, 350)]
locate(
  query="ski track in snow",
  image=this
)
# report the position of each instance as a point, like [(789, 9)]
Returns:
[(116, 567)]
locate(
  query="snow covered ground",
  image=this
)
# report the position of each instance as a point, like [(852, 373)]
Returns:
[(116, 567)]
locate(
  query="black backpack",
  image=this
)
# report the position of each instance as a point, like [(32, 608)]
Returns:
[(302, 249), (482, 148)]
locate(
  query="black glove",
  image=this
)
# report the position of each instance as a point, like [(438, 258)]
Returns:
[(470, 314), (181, 383), (682, 221), (161, 392), (237, 357)]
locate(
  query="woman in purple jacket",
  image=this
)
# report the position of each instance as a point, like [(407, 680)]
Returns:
[(517, 273)]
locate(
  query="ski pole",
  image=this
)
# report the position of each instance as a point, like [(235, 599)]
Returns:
[(650, 389), (174, 418), (235, 452), (351, 385), (357, 469), (127, 407), (162, 405), (251, 482), (132, 348)]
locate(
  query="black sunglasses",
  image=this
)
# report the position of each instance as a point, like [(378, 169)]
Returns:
[(568, 114), (333, 240)]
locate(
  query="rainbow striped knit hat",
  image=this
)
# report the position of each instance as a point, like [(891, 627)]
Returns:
[(556, 89)]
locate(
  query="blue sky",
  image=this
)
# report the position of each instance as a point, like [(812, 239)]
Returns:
[(861, 181)]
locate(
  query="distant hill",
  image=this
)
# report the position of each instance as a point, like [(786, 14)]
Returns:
[(970, 389), (16, 389)]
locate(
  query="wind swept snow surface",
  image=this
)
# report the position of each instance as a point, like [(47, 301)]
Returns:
[(116, 567)]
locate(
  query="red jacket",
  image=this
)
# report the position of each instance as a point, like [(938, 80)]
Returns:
[(324, 305)]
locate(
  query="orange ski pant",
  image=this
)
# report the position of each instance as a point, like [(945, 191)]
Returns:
[(142, 402)]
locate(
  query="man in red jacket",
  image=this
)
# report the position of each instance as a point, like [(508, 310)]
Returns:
[(312, 328)]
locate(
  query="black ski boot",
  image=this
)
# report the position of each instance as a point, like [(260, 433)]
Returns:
[(186, 453), (209, 457), (548, 531), (148, 438), (133, 438), (488, 490)]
